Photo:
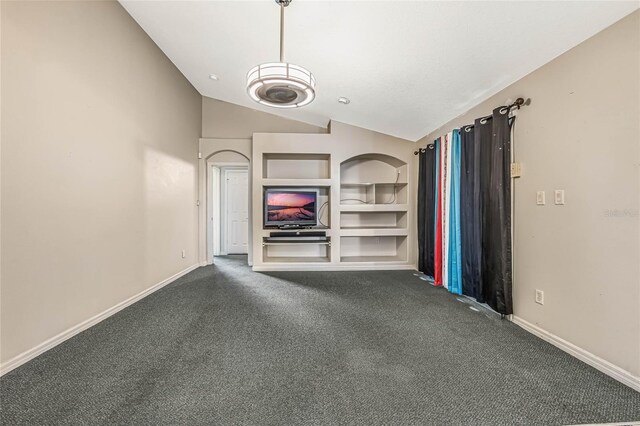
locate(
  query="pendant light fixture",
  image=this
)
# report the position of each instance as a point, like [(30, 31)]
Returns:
[(280, 84)]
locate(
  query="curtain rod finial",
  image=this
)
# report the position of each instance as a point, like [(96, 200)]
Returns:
[(522, 102)]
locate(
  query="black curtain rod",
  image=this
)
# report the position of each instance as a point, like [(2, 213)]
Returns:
[(517, 104)]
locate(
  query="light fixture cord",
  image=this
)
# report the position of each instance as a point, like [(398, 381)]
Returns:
[(281, 31)]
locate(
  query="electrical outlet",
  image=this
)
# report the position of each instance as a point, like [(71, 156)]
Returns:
[(540, 199), (540, 297), (559, 196), (184, 253), (516, 170)]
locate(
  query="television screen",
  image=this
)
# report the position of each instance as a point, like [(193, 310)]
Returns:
[(290, 207)]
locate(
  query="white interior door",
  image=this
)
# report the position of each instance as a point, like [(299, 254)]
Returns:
[(237, 211)]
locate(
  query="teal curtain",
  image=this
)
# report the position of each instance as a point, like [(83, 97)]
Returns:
[(455, 240)]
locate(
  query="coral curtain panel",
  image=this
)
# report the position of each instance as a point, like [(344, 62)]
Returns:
[(446, 204)]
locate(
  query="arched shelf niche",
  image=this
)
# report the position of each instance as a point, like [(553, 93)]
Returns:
[(373, 168), (373, 179), (373, 210)]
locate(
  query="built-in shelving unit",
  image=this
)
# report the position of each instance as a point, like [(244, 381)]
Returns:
[(373, 206), (367, 202), (297, 170)]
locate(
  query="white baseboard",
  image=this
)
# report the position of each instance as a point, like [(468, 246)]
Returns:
[(621, 375), (18, 360)]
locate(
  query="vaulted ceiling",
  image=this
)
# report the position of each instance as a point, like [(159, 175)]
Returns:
[(407, 66)]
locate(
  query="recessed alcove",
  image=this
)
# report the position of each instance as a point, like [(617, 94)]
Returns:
[(373, 213)]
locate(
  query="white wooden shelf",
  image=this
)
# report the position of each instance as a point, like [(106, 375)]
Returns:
[(374, 207), (266, 232), (372, 183), (374, 232), (373, 259), (296, 182), (293, 243), (299, 259), (347, 227)]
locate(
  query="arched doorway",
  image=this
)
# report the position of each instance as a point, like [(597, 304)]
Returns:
[(221, 159), (228, 203)]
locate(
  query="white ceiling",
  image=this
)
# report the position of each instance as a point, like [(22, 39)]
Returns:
[(407, 66)]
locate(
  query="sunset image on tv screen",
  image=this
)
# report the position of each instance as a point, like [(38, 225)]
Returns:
[(291, 206)]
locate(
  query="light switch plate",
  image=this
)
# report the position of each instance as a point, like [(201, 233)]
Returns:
[(540, 198), (559, 196)]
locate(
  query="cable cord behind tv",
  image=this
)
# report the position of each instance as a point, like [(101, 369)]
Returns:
[(326, 203), (395, 189), (391, 201)]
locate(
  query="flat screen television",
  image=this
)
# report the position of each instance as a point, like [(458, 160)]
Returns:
[(290, 207)]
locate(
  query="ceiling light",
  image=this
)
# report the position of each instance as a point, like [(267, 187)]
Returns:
[(344, 100), (213, 77), (281, 84)]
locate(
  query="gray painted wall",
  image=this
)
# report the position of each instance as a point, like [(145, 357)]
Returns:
[(228, 121), (99, 166)]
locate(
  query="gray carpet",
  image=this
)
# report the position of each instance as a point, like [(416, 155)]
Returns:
[(224, 345)]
